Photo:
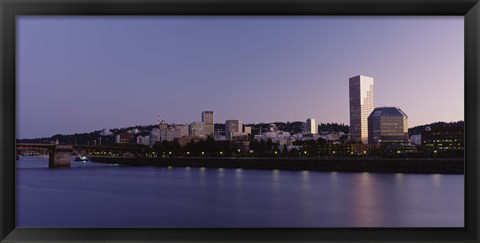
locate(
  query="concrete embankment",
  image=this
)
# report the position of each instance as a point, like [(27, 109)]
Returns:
[(443, 166)]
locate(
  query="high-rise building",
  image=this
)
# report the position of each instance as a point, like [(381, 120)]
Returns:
[(233, 128), (387, 125), (207, 119), (196, 129), (312, 126), (361, 106)]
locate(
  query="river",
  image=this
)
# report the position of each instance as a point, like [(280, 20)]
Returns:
[(98, 195)]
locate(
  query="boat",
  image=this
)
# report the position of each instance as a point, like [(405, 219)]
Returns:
[(82, 158)]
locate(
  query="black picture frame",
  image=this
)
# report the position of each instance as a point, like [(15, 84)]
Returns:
[(12, 8)]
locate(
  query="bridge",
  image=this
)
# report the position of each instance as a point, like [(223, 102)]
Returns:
[(59, 155)]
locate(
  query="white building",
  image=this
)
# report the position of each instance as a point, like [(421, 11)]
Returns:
[(312, 127), (361, 106), (154, 136), (280, 137), (134, 131), (196, 129), (145, 140), (105, 132), (172, 132), (416, 139)]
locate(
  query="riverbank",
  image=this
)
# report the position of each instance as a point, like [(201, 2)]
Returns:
[(437, 165)]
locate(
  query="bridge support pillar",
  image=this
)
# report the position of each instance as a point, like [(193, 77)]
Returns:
[(60, 156)]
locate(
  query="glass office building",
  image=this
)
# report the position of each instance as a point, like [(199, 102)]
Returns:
[(387, 125), (361, 105)]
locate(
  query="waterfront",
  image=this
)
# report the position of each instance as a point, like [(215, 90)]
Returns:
[(102, 195)]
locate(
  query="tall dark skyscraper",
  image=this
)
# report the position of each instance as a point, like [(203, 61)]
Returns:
[(361, 105)]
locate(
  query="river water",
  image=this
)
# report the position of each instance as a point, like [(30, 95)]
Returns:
[(98, 195)]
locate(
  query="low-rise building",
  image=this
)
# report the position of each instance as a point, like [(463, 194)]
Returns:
[(186, 139), (154, 136), (416, 139), (145, 140), (124, 137), (443, 139)]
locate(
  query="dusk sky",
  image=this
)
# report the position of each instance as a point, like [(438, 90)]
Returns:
[(81, 74)]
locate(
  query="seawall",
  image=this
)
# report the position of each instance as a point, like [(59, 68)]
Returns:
[(441, 166)]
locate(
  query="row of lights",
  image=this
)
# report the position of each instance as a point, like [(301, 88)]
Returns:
[(188, 153)]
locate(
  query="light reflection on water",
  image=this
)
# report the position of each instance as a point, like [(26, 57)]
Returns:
[(94, 195)]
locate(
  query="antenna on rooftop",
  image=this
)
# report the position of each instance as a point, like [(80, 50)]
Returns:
[(159, 119)]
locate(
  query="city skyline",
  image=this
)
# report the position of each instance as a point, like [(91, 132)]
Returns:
[(259, 74)]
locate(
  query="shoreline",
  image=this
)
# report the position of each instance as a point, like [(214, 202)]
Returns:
[(410, 165)]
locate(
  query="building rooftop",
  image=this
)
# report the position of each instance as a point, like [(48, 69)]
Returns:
[(388, 111)]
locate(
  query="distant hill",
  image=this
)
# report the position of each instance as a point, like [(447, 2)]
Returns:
[(420, 129)]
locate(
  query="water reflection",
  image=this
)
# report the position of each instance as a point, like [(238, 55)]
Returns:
[(366, 199), (211, 197), (399, 178), (305, 180), (203, 179), (276, 179), (238, 178), (437, 180)]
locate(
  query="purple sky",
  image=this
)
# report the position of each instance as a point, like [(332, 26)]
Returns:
[(80, 74)]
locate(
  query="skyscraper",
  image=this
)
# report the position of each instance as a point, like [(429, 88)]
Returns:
[(361, 106), (312, 126), (207, 119)]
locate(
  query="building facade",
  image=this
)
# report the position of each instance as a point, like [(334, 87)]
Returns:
[(387, 125), (312, 127), (182, 129), (196, 129), (233, 128), (124, 137), (361, 106), (207, 119), (154, 136), (444, 139), (145, 140)]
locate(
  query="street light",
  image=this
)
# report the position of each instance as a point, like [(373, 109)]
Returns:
[(221, 152), (203, 153)]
